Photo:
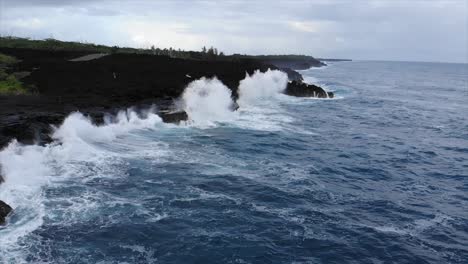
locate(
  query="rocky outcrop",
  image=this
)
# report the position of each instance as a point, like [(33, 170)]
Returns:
[(173, 117), (295, 62), (103, 85), (5, 210), (292, 74), (300, 89)]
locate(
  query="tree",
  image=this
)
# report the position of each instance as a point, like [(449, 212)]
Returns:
[(211, 51), (114, 49), (204, 49)]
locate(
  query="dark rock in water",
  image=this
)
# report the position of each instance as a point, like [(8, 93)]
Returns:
[(234, 106), (300, 89), (173, 117), (5, 210), (1, 176), (292, 74)]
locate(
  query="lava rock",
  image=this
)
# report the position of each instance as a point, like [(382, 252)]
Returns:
[(173, 117), (300, 89), (2, 180), (5, 210), (297, 63), (117, 81), (292, 74)]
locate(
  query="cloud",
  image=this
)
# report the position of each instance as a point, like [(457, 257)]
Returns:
[(310, 26), (374, 29), (26, 23), (161, 34), (37, 3)]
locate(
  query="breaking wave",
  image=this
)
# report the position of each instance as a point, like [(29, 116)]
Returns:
[(28, 168), (261, 86), (82, 149), (209, 101)]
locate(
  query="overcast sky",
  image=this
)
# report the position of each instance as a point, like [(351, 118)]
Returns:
[(414, 30)]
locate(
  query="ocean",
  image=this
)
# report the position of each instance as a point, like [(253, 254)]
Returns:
[(378, 174)]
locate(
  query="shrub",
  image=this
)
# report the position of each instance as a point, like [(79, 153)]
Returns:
[(10, 85), (6, 60)]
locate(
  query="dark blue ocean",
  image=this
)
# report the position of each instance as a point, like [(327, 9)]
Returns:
[(378, 174)]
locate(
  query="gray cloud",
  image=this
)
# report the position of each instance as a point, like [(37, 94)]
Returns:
[(36, 3), (393, 30)]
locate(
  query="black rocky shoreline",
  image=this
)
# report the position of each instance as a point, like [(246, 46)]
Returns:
[(115, 82), (112, 83)]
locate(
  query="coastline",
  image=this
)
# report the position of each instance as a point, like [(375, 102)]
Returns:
[(62, 85)]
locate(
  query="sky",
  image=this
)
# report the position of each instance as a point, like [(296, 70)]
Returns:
[(404, 30)]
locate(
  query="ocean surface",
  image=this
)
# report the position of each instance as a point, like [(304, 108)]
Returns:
[(379, 174)]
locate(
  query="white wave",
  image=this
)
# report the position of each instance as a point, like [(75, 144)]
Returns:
[(78, 127), (311, 80), (316, 81), (81, 150), (418, 226), (261, 86), (25, 174), (28, 168), (208, 100)]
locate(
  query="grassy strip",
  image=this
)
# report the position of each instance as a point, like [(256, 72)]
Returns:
[(57, 45), (7, 60), (9, 84)]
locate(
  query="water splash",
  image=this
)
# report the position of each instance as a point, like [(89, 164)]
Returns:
[(260, 86), (208, 100), (28, 168)]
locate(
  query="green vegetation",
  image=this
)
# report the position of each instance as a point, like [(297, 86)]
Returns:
[(7, 60), (9, 84), (205, 53), (291, 57), (53, 44)]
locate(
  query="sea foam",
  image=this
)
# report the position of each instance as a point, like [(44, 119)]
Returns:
[(209, 101), (29, 168)]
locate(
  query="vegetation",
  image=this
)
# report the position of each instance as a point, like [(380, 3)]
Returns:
[(9, 84), (53, 44), (211, 53), (291, 57), (7, 60)]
